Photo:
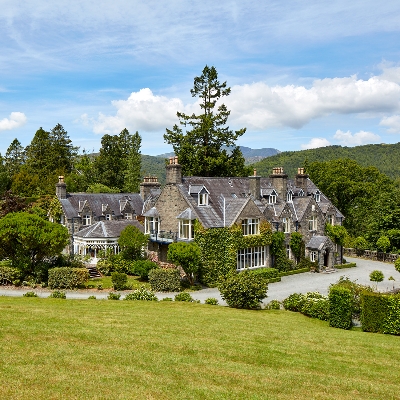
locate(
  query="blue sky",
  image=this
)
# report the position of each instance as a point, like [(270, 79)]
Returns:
[(303, 73)]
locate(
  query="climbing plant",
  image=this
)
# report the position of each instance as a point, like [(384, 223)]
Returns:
[(297, 244)]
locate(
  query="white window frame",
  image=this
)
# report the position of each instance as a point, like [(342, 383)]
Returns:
[(128, 216), (272, 199), (186, 229), (286, 225), (152, 225), (251, 226), (203, 199), (108, 217), (312, 223), (288, 251), (252, 258), (289, 197), (317, 197), (313, 256), (331, 219), (87, 219)]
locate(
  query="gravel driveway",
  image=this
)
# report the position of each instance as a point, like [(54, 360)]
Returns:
[(301, 283)]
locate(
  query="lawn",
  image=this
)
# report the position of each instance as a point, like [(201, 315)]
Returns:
[(106, 283), (101, 349)]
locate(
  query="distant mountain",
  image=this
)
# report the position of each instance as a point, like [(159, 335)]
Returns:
[(385, 157)]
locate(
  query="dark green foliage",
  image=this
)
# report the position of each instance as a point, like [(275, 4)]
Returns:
[(58, 295), (119, 280), (243, 290), (340, 307), (337, 233), (267, 273), (297, 244), (167, 299), (92, 298), (11, 203), (67, 278), (281, 261), (8, 274), (348, 265), (14, 158), (294, 271), (376, 276), (143, 267), (294, 302), (165, 280), (115, 263), (30, 294), (374, 308), (132, 241), (306, 263), (360, 243), (113, 296), (184, 296), (211, 301), (383, 243), (201, 149), (188, 256), (141, 294), (316, 307), (397, 265), (154, 166), (273, 305)]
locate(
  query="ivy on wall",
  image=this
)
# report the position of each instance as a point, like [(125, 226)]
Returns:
[(219, 248)]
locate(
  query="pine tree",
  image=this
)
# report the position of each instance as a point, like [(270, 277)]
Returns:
[(15, 157)]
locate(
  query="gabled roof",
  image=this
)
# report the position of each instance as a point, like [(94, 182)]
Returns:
[(152, 213), (317, 242), (107, 229)]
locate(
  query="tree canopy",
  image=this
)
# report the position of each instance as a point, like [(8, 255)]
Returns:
[(201, 150)]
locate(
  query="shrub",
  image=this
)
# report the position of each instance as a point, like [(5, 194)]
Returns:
[(92, 298), (100, 287), (294, 272), (132, 241), (316, 306), (165, 280), (376, 276), (67, 278), (267, 273), (30, 294), (273, 305), (143, 267), (306, 263), (141, 294), (347, 265), (115, 263), (119, 280), (397, 265), (184, 296), (373, 306), (340, 307), (211, 301), (9, 275), (58, 295), (243, 290), (113, 296), (294, 302)]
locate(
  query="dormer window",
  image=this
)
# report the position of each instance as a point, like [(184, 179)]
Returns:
[(317, 196), (286, 225), (251, 226), (152, 225), (289, 196), (272, 198), (128, 216), (331, 219), (301, 193), (203, 199), (108, 217), (186, 229), (87, 219)]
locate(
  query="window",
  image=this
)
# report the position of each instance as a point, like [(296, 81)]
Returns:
[(289, 197), (151, 225), (186, 229), (251, 226), (331, 219), (108, 217), (312, 223), (272, 199), (87, 219), (313, 256), (286, 225), (317, 197), (128, 216), (203, 199), (253, 257), (288, 251)]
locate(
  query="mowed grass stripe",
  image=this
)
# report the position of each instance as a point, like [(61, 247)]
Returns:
[(69, 349)]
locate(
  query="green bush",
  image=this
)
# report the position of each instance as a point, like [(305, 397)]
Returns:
[(67, 278), (397, 265), (373, 311), (340, 307), (119, 280), (294, 302), (30, 294), (391, 323), (348, 265), (58, 295), (115, 263), (143, 267), (165, 280), (316, 306), (92, 298), (8, 275), (212, 301), (141, 294), (267, 273), (184, 296), (307, 264), (243, 290), (294, 272), (113, 296), (273, 305)]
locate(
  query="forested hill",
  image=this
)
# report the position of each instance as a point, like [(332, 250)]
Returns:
[(385, 157)]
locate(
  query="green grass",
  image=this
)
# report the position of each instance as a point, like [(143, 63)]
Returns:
[(70, 349), (105, 281)]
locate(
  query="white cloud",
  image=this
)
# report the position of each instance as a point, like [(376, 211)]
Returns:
[(392, 123), (358, 139), (15, 120), (259, 106), (315, 143)]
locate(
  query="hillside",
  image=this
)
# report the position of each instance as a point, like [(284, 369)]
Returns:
[(385, 157), (154, 166)]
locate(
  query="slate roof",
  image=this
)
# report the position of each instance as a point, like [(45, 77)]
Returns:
[(72, 205), (317, 242), (107, 229)]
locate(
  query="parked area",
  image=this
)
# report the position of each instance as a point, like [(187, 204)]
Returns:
[(300, 283)]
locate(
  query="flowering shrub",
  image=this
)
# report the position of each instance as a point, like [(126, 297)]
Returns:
[(141, 294)]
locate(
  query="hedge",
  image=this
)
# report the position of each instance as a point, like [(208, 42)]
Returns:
[(67, 278), (380, 313), (340, 307), (119, 281), (9, 275), (294, 272), (348, 265), (165, 280)]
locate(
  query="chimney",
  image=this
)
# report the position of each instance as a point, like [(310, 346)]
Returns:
[(174, 172), (61, 188), (279, 181), (149, 183), (255, 185), (301, 180)]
